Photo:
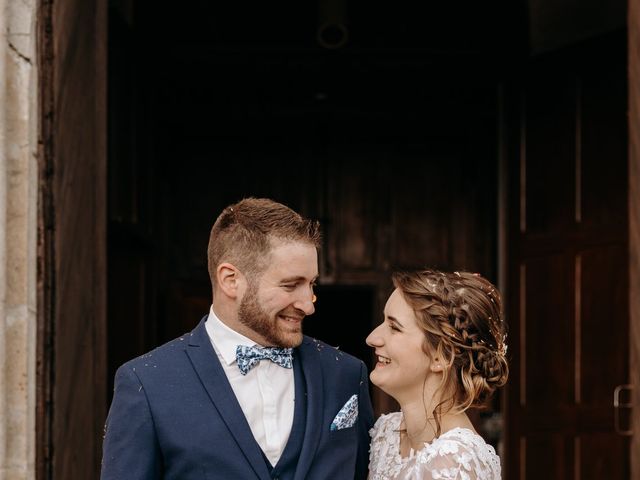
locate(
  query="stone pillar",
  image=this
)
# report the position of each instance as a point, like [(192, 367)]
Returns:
[(18, 230)]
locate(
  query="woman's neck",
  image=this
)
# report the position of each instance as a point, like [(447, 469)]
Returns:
[(419, 426)]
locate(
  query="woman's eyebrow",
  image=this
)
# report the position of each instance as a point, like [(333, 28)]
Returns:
[(395, 320)]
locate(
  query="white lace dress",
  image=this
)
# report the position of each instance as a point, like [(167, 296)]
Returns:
[(456, 454)]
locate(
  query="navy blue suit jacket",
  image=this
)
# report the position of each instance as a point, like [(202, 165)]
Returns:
[(174, 416)]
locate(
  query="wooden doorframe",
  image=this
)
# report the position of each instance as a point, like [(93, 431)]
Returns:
[(633, 36), (45, 247), (71, 246)]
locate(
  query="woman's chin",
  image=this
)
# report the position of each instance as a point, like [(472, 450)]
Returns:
[(379, 382)]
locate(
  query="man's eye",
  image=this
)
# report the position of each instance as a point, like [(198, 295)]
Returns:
[(289, 286)]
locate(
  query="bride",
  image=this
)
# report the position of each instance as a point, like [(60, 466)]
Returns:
[(440, 350)]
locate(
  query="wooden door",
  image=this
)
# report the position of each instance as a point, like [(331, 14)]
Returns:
[(569, 265), (71, 361), (633, 43)]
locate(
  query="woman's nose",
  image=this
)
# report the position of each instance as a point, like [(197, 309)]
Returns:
[(374, 339)]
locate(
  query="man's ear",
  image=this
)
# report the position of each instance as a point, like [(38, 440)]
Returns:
[(230, 280)]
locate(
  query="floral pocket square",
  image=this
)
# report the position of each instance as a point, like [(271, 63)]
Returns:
[(347, 415)]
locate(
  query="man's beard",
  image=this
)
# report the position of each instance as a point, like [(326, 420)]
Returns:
[(251, 314)]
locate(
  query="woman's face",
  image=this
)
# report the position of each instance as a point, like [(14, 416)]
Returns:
[(402, 365)]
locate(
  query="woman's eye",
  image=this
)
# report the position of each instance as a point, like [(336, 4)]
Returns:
[(394, 328)]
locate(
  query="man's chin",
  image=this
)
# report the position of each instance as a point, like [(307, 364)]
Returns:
[(291, 339), (289, 333)]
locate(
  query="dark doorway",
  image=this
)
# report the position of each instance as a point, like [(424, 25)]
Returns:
[(192, 126), (389, 139), (342, 318)]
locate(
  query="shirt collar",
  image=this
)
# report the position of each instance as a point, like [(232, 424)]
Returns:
[(225, 338)]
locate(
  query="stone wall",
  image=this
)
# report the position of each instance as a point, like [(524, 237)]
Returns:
[(18, 230)]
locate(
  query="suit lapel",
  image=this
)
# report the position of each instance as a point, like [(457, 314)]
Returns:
[(315, 405), (207, 366)]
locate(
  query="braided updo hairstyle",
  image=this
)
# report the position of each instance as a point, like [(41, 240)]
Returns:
[(461, 316)]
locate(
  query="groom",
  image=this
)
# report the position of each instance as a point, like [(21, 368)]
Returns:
[(245, 395)]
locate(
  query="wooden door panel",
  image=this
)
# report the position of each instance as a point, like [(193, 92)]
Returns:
[(548, 326), (569, 266), (353, 200), (600, 456), (603, 139), (549, 150), (72, 361), (546, 456), (603, 326), (422, 220)]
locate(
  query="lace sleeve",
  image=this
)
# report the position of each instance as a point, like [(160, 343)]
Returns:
[(456, 458), (450, 460), (459, 454), (383, 461)]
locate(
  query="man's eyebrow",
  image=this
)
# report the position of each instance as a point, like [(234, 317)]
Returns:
[(395, 320), (298, 279)]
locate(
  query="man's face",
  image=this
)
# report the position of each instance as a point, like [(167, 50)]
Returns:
[(275, 304)]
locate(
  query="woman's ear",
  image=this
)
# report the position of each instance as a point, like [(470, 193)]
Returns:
[(230, 280), (436, 365), (437, 358)]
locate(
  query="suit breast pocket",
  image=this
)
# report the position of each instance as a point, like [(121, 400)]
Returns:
[(347, 434), (338, 450)]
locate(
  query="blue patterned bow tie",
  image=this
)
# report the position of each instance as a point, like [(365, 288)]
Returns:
[(248, 357)]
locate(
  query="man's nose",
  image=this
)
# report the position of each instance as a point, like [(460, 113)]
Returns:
[(306, 303)]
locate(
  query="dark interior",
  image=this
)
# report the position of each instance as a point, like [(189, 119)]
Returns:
[(385, 122), (214, 102)]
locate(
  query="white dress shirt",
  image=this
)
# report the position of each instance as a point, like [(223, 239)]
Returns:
[(266, 393)]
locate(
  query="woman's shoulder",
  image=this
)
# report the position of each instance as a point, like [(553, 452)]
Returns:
[(464, 437), (386, 422), (461, 448)]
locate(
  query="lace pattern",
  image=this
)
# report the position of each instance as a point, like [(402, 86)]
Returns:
[(458, 454)]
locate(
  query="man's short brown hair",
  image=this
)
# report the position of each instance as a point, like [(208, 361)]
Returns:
[(243, 232)]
